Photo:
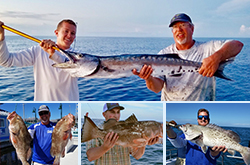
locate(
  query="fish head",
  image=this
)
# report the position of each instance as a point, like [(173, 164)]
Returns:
[(79, 64), (15, 121), (69, 121), (191, 131)]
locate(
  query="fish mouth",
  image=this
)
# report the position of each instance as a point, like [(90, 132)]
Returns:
[(11, 115)]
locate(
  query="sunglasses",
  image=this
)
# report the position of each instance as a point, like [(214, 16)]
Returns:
[(205, 117), (43, 113)]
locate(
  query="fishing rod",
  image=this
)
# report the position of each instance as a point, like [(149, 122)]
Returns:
[(34, 39)]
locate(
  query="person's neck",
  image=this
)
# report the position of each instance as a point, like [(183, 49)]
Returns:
[(45, 123), (185, 46)]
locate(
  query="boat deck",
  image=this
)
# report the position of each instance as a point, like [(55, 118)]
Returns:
[(71, 150)]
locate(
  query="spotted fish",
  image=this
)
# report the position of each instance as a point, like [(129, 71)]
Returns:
[(131, 132)]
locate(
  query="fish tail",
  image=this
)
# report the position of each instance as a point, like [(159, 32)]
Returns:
[(219, 73), (57, 160), (89, 129), (246, 155)]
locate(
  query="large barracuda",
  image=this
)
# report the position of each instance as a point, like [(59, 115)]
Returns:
[(20, 137), (131, 132), (212, 135), (90, 66)]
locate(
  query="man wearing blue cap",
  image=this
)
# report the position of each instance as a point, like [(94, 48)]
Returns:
[(190, 86), (105, 152), (41, 134)]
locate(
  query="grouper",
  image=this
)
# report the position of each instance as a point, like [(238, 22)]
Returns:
[(131, 132), (60, 137), (20, 137), (117, 66), (213, 135)]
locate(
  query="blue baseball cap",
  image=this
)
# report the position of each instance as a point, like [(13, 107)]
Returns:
[(181, 17), (109, 106)]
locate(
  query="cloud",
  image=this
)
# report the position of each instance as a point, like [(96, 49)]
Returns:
[(19, 14), (244, 29), (233, 6)]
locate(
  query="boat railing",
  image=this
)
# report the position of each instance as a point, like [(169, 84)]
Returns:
[(171, 153), (223, 155)]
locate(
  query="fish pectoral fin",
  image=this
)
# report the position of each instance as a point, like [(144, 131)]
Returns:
[(204, 149), (232, 152), (14, 140), (140, 142), (65, 136), (105, 68)]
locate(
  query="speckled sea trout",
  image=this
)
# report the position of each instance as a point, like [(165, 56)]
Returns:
[(212, 135), (60, 137), (20, 137), (90, 66), (131, 132)]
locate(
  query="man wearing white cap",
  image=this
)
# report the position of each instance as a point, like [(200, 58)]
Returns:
[(41, 134), (190, 86), (105, 152)]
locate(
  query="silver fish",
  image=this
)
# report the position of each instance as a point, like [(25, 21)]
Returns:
[(212, 135), (91, 66)]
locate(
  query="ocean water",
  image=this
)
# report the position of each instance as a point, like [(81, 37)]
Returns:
[(244, 134), (17, 84), (153, 154)]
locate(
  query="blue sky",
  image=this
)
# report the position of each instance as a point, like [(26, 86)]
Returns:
[(143, 111), (222, 114), (129, 18), (55, 112)]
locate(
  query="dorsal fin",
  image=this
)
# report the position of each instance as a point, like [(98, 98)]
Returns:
[(109, 123), (131, 119)]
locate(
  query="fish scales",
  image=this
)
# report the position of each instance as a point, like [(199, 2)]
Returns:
[(20, 137), (131, 133), (91, 66), (212, 135)]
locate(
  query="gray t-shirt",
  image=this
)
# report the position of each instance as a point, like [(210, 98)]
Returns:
[(190, 86)]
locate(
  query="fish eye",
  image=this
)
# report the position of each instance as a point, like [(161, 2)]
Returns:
[(80, 55)]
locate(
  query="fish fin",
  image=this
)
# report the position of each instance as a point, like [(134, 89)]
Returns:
[(89, 129), (29, 153), (14, 140), (140, 142), (175, 75), (204, 149), (219, 73), (232, 152), (246, 155), (105, 68), (131, 119), (171, 55), (65, 136), (109, 123), (63, 153), (57, 160)]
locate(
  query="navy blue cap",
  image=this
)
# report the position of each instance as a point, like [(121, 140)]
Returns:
[(181, 17)]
